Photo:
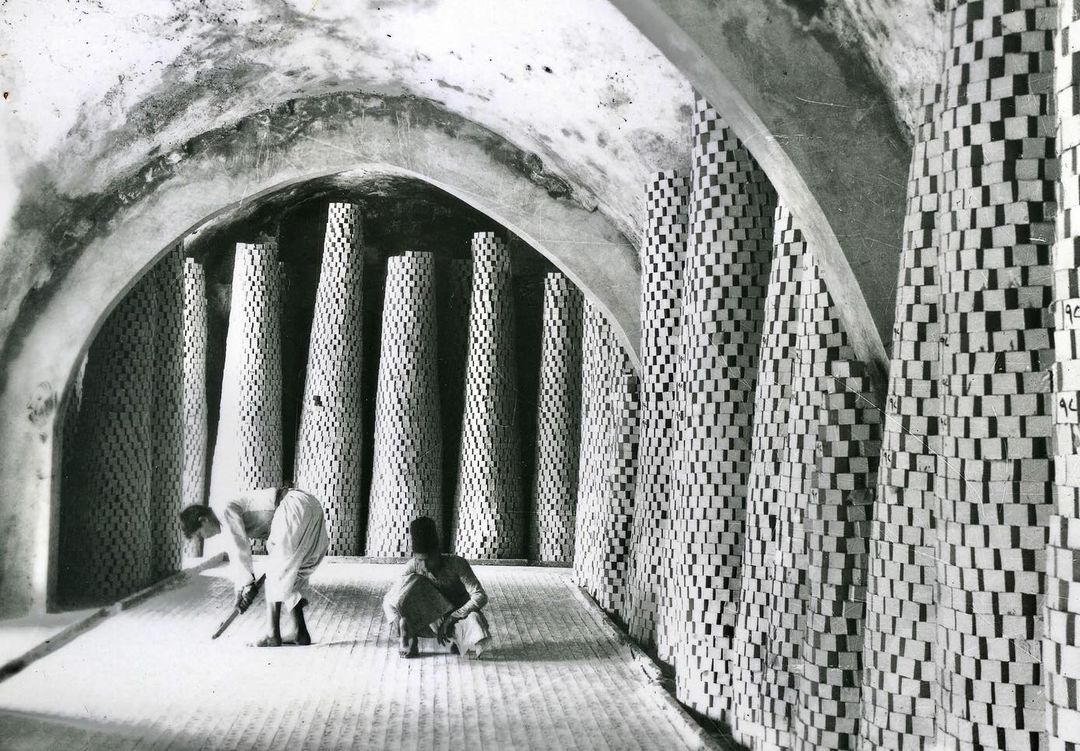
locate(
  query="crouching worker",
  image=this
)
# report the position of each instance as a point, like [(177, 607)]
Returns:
[(437, 597), (291, 522)]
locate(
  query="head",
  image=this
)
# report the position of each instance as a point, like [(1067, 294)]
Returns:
[(425, 539), (199, 521)]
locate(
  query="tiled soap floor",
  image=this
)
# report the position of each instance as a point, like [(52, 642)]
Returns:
[(20, 635), (151, 677)]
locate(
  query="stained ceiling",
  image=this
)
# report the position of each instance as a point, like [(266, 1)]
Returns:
[(94, 88)]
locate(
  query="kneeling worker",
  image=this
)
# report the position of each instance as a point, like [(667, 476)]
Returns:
[(291, 521), (438, 597)]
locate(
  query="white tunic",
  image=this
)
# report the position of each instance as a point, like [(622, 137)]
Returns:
[(295, 534)]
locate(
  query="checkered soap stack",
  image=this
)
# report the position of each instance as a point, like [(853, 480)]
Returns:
[(489, 513), (108, 513), (557, 427), (169, 439), (455, 288), (663, 248), (606, 465), (406, 478), (1061, 635), (837, 529), (193, 324), (282, 286), (788, 580), (69, 457), (900, 687), (725, 280), (617, 515), (71, 463), (994, 475), (328, 446), (248, 452), (598, 374), (767, 484)]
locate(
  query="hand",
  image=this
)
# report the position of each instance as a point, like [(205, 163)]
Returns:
[(446, 629), (245, 596)]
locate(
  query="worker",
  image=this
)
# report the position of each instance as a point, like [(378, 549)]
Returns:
[(438, 596), (291, 521)]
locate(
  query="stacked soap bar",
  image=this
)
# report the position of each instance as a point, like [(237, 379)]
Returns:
[(454, 289), (406, 478), (662, 253), (489, 513), (248, 451), (551, 534), (194, 386), (789, 581), (598, 377), (725, 280), (994, 475), (107, 521), (838, 530), (617, 514), (169, 439), (900, 686), (1061, 641), (329, 443), (766, 486)]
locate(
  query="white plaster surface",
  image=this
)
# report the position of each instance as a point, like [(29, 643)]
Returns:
[(905, 42), (95, 87), (151, 677)]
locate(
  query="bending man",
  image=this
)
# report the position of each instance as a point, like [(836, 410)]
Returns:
[(438, 596), (291, 522)]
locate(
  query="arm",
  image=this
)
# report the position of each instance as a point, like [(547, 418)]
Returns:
[(477, 596), (239, 547)]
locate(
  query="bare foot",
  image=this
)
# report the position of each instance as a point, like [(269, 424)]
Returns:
[(303, 636), (267, 641), (411, 651)]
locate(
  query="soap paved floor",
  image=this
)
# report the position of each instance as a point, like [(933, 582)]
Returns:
[(19, 635), (151, 678)]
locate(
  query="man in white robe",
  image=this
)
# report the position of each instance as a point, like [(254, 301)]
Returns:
[(438, 596), (292, 523)]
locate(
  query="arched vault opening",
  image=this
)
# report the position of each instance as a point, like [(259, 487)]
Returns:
[(124, 170), (335, 142)]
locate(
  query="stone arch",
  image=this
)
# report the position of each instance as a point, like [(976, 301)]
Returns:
[(110, 240)]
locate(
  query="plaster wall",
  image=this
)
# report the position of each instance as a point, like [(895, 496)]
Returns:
[(904, 42)]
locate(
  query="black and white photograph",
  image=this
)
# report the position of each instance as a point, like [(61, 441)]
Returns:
[(530, 375)]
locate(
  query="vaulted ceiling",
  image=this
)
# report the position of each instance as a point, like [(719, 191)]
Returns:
[(128, 124), (581, 99)]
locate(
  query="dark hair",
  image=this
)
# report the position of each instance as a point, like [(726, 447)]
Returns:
[(425, 535), (191, 518)]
